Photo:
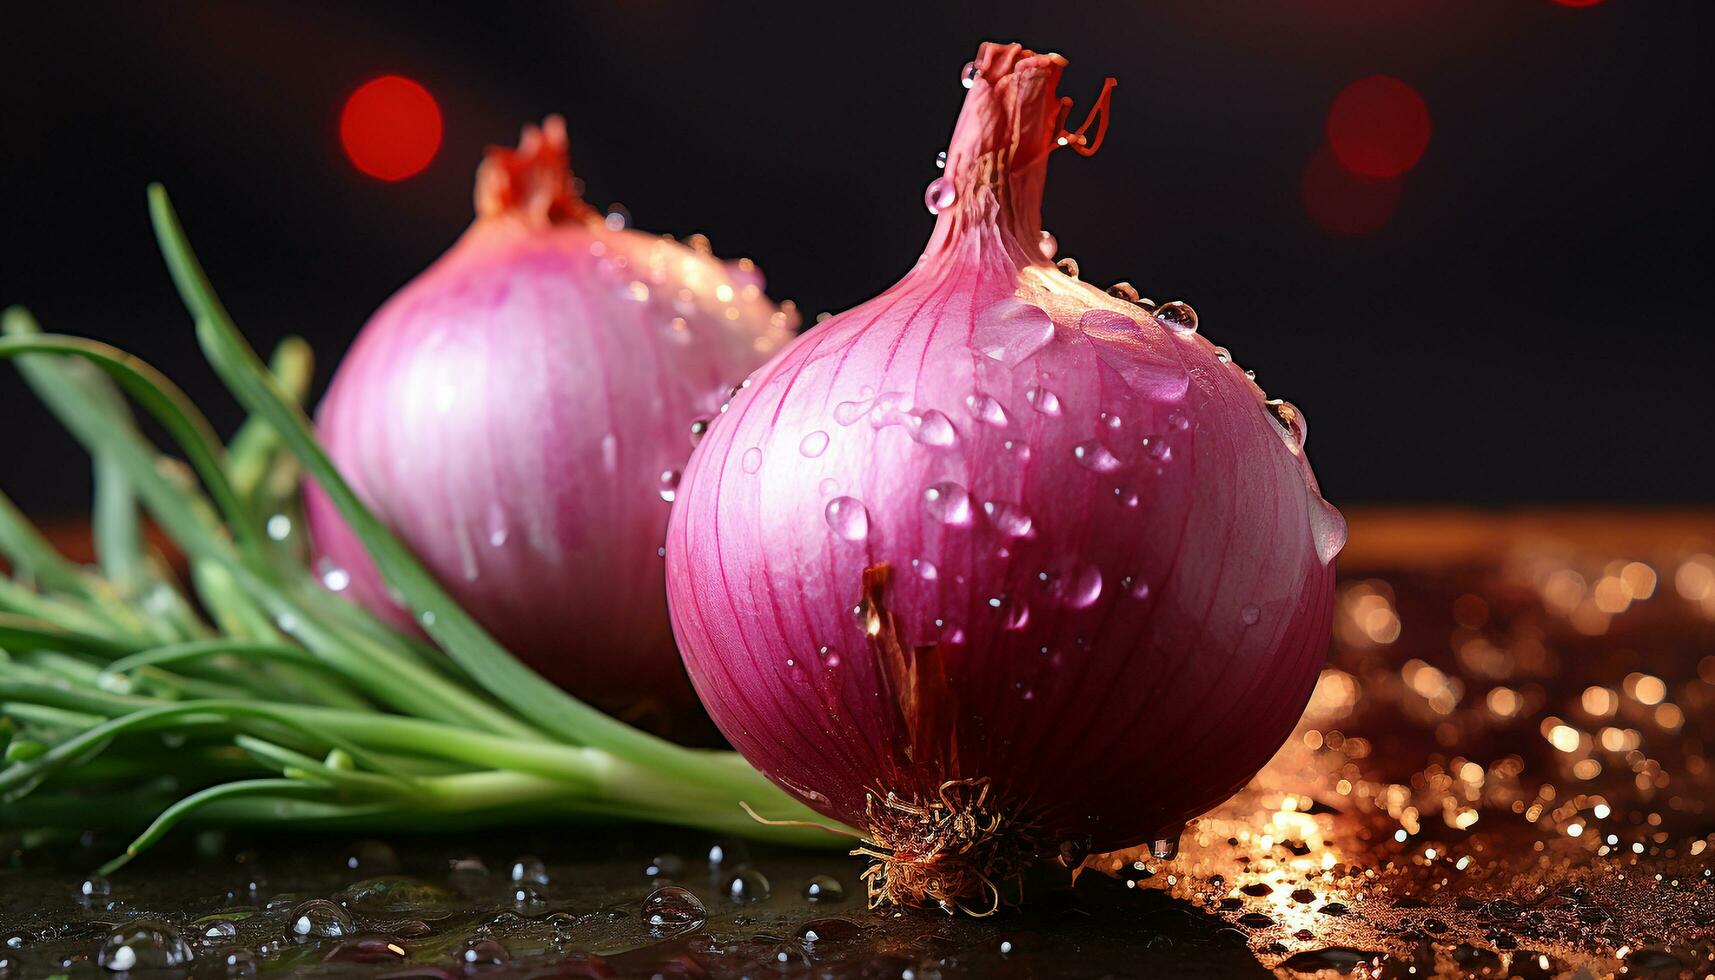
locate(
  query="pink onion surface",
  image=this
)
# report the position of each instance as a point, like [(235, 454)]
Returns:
[(999, 530), (520, 411)]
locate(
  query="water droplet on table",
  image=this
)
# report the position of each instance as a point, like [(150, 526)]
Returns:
[(748, 885), (824, 889), (671, 909), (319, 918), (142, 944)]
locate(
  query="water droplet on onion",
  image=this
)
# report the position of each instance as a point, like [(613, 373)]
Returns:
[(1010, 519), (1042, 400), (1177, 314), (948, 503), (925, 569), (1250, 614), (848, 518), (941, 160), (986, 409), (934, 428), (1048, 245), (1125, 291), (1086, 588), (1096, 456), (669, 485), (752, 459), (814, 444), (968, 74), (1069, 266), (939, 195)]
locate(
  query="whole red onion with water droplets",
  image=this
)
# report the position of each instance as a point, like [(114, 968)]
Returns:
[(1000, 564), (520, 411)]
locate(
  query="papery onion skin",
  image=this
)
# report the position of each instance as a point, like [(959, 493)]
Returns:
[(1112, 544), (520, 410)]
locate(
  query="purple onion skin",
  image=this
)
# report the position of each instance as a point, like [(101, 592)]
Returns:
[(1116, 667), (510, 414)]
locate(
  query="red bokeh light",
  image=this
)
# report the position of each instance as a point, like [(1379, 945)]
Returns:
[(390, 127), (1343, 203), (1378, 127), (1578, 3)]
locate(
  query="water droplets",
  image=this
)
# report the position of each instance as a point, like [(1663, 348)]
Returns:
[(925, 569), (319, 918), (1042, 400), (1250, 614), (939, 195), (668, 485), (279, 527), (848, 518), (934, 428), (747, 886), (968, 74), (1085, 588), (751, 461), (824, 889), (334, 578), (1294, 426), (670, 909), (1048, 245), (1178, 314), (814, 444), (1095, 456), (1009, 519), (986, 409), (845, 413), (1327, 528), (143, 944), (1069, 266), (948, 503)]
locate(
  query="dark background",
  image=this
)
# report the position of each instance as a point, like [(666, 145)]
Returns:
[(1531, 325)]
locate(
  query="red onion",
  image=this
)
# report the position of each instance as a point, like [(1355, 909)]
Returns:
[(520, 411), (1000, 564)]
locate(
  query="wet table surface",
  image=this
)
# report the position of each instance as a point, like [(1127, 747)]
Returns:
[(1506, 770)]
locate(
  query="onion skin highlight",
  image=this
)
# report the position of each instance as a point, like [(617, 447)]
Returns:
[(997, 528), (512, 411)]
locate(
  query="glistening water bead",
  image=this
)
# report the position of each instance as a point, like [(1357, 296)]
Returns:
[(939, 195)]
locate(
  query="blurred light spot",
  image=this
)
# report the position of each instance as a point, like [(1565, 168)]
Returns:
[(1343, 203), (1378, 127), (1578, 3), (390, 127)]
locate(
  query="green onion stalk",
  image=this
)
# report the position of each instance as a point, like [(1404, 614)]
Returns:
[(247, 694)]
